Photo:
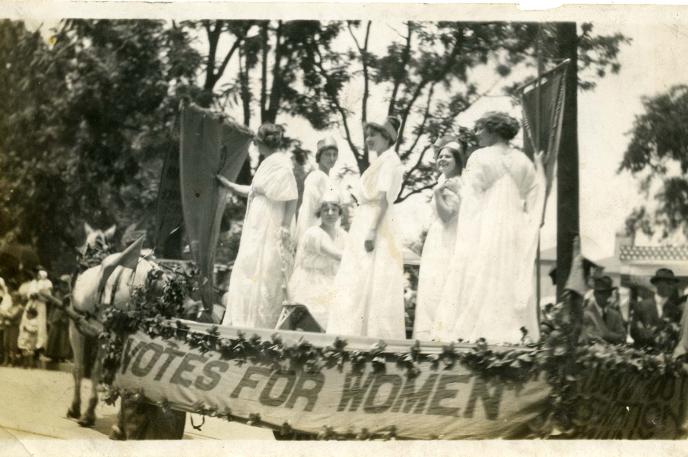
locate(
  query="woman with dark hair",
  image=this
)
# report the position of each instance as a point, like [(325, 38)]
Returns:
[(258, 284), (369, 286), (491, 292), (316, 185), (441, 237)]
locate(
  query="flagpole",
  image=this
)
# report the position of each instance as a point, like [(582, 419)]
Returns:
[(538, 101)]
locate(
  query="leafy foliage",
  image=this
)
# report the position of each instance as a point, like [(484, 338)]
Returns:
[(87, 122), (89, 116), (659, 143), (427, 76)]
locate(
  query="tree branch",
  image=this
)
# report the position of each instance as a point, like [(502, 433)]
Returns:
[(213, 38), (407, 109), (263, 68), (399, 75), (418, 190), (366, 78), (230, 53), (363, 51), (245, 90), (416, 166), (340, 109), (276, 91), (443, 71), (426, 115)]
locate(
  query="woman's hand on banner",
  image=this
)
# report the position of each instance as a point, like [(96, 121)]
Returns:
[(225, 182)]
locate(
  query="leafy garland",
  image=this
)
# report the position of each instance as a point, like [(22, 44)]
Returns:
[(153, 309), (93, 256)]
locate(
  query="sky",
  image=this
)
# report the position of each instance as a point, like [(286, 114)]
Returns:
[(653, 62)]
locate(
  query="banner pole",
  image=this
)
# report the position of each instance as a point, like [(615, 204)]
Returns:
[(538, 98)]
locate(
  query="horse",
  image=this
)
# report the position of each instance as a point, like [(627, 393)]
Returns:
[(111, 283)]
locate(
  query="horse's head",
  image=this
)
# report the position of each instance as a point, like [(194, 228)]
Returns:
[(97, 240)]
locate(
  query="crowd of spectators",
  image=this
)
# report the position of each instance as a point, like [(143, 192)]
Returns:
[(32, 329)]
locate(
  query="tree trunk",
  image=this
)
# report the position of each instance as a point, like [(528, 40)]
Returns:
[(568, 225), (245, 90), (263, 68)]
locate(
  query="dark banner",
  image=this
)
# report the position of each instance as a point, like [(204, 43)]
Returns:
[(542, 102), (169, 219), (631, 406), (210, 145)]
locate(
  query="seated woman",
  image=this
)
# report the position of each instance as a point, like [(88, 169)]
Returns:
[(441, 237), (369, 298), (317, 262), (257, 284)]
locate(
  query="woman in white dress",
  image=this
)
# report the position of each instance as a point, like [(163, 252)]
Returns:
[(257, 285), (369, 285), (317, 261), (439, 242), (316, 185), (490, 291), (31, 292)]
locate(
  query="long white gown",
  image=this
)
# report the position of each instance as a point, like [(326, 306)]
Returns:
[(312, 283), (369, 285), (490, 289), (315, 186), (26, 290), (255, 294), (437, 253)]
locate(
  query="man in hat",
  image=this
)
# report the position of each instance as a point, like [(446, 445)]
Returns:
[(601, 321), (651, 314)]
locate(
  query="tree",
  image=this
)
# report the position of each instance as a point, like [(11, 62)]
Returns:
[(426, 74), (91, 119), (659, 143), (295, 68)]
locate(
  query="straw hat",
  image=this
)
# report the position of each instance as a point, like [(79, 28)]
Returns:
[(328, 142), (390, 126)]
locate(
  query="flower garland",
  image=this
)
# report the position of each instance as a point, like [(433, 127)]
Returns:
[(153, 311)]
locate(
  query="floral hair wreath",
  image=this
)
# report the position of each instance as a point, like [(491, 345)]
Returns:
[(467, 137)]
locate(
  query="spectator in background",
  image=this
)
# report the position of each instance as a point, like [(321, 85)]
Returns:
[(31, 291), (651, 315), (5, 303), (9, 321), (58, 347), (28, 337), (601, 321)]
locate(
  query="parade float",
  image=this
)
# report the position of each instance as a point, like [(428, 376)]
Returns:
[(314, 385)]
